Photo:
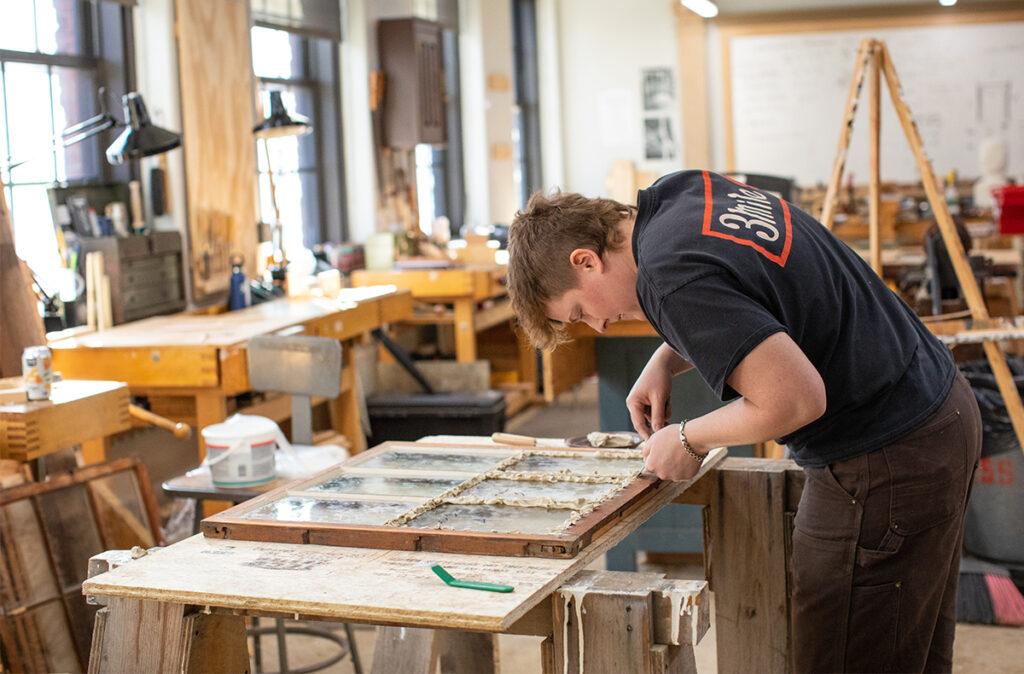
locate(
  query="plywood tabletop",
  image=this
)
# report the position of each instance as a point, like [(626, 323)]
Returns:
[(356, 584)]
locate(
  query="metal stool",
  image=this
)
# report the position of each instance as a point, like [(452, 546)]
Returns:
[(346, 645)]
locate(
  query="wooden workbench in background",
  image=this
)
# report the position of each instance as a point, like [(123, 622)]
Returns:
[(190, 365), (474, 301)]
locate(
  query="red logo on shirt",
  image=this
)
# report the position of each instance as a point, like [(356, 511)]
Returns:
[(751, 218)]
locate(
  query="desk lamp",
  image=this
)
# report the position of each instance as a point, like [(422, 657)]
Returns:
[(279, 124), (141, 138)]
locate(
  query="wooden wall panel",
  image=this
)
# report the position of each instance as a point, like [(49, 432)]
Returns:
[(215, 65)]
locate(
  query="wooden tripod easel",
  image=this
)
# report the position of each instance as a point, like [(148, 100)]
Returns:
[(873, 59)]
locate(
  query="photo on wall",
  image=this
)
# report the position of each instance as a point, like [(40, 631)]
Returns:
[(659, 142), (658, 89)]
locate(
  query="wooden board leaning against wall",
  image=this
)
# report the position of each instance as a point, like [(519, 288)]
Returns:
[(214, 59)]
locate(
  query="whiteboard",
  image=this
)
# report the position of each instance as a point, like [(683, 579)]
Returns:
[(963, 83)]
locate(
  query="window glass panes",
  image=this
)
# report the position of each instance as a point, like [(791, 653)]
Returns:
[(58, 27), (18, 28), (27, 95), (43, 26), (276, 54), (74, 101), (291, 162), (53, 87)]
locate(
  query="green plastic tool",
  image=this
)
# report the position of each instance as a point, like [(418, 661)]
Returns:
[(468, 584)]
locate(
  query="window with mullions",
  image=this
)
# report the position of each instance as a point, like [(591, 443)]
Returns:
[(54, 57), (305, 170)]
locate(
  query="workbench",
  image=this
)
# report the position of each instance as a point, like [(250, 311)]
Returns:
[(190, 365), (77, 412), (181, 608), (472, 299)]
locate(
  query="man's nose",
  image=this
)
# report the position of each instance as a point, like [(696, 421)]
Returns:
[(595, 323)]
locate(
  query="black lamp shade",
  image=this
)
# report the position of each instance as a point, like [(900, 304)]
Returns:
[(280, 123), (141, 138)]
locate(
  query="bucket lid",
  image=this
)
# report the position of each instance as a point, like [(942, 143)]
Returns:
[(240, 425)]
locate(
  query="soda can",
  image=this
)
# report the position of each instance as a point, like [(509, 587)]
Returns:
[(37, 366)]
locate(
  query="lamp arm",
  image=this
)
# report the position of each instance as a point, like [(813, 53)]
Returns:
[(68, 137)]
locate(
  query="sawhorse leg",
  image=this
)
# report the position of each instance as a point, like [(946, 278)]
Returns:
[(615, 621), (148, 636)]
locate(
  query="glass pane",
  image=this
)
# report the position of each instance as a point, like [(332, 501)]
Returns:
[(464, 463), (120, 512), (579, 464), (59, 26), (301, 509), (494, 518), (27, 91), (386, 486), (74, 101), (276, 54), (17, 30), (72, 532), (575, 493)]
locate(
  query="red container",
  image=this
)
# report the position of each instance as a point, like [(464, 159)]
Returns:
[(1009, 209)]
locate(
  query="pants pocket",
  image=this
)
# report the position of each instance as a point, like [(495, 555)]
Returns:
[(872, 633), (929, 481)]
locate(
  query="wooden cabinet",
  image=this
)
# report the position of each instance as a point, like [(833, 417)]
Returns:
[(414, 98), (145, 273)]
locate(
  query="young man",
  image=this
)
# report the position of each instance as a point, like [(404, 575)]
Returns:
[(810, 347)]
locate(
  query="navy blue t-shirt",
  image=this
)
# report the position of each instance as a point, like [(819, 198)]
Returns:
[(722, 266)]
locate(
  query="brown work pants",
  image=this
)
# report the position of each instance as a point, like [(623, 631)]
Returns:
[(876, 549)]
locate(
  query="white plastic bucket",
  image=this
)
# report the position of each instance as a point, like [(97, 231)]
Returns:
[(240, 451)]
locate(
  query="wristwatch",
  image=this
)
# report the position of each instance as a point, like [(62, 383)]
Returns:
[(699, 458)]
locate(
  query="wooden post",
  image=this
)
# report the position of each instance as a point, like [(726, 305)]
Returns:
[(150, 636), (749, 549), (22, 325), (626, 622), (864, 54), (874, 176), (465, 331)]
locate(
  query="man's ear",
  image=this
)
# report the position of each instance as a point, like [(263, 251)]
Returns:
[(585, 259)]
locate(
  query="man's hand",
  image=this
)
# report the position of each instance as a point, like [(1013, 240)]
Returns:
[(664, 455), (649, 401)]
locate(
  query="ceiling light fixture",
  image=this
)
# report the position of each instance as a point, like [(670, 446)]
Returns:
[(704, 8), (947, 3)]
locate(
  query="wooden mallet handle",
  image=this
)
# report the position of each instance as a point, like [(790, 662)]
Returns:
[(513, 439), (181, 430)]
